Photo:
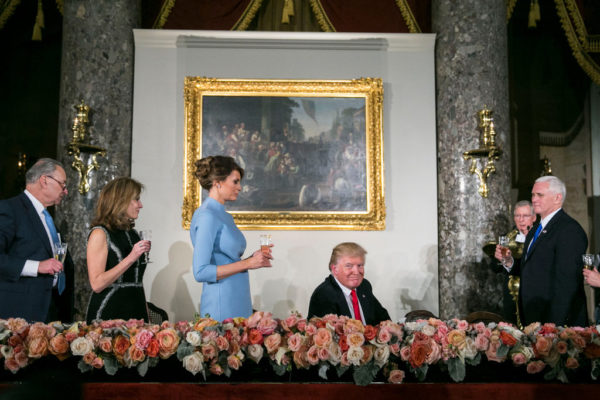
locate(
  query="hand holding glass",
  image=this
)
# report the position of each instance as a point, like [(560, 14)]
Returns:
[(146, 235), (60, 253), (503, 242), (588, 261), (265, 244)]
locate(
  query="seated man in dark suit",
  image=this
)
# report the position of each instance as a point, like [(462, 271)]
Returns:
[(345, 291), (33, 284)]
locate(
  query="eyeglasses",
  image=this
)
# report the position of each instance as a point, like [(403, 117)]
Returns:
[(520, 216), (63, 185)]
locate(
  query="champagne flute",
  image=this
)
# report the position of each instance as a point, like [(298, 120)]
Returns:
[(146, 235), (503, 242), (60, 252)]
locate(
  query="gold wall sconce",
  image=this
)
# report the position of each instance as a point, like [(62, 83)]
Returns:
[(488, 153), (78, 146)]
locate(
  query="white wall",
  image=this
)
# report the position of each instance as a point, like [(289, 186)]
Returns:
[(401, 261)]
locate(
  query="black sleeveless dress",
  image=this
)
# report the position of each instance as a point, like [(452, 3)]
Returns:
[(125, 298)]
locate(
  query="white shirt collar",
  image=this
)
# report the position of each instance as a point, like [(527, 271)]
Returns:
[(545, 221), (345, 290), (39, 207)]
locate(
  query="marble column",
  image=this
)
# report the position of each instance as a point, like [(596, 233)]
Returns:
[(97, 67), (471, 72)]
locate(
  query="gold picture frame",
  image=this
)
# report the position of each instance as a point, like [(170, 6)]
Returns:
[(299, 175)]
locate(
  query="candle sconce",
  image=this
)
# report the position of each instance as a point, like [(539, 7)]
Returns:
[(78, 146), (488, 153)]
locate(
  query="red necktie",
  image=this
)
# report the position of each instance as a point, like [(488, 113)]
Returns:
[(356, 306)]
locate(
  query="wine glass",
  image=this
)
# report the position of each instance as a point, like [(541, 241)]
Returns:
[(146, 235), (588, 261), (503, 241)]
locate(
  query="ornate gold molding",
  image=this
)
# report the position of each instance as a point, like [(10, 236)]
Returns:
[(165, 10), (321, 16), (408, 16), (247, 16)]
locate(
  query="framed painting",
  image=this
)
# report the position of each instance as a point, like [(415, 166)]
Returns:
[(312, 151)]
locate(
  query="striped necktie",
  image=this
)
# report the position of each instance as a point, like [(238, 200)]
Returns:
[(61, 283)]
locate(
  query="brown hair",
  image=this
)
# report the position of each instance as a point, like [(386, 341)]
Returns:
[(111, 209), (348, 249), (215, 168)]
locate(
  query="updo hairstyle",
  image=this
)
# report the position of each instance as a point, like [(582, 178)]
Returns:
[(215, 168)]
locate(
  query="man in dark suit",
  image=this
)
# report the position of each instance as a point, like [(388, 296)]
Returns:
[(551, 288), (345, 291), (30, 277)]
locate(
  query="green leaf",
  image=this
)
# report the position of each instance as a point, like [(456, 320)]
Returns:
[(475, 360), (83, 367), (341, 369), (184, 349), (279, 369), (502, 351), (227, 371), (365, 374), (421, 372), (456, 369), (323, 371), (142, 367), (595, 369), (111, 365), (153, 361)]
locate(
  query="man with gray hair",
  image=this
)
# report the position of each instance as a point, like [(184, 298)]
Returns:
[(33, 284), (551, 287)]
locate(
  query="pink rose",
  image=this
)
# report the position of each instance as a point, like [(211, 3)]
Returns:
[(291, 321), (535, 367), (562, 347), (435, 354), (17, 325), (396, 376), (12, 365), (295, 341), (143, 338), (134, 323), (571, 363), (481, 342), (492, 352), (311, 329), (323, 337), (313, 355), (234, 362), (222, 343), (518, 358), (254, 319), (136, 355), (215, 368), (272, 342), (462, 325), (209, 351), (301, 325), (384, 335), (323, 353), (395, 349), (543, 345), (105, 344), (59, 346), (88, 358), (209, 336), (300, 359), (367, 353), (183, 327), (404, 353), (168, 340), (97, 363)]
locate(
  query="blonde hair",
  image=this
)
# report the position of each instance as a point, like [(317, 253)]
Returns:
[(346, 249), (111, 209)]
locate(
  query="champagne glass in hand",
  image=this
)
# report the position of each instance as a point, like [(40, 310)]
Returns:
[(503, 241), (60, 252), (146, 235), (588, 261)]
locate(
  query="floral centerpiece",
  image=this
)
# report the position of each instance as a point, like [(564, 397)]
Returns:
[(332, 343)]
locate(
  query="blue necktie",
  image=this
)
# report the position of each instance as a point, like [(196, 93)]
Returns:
[(50, 224), (535, 236)]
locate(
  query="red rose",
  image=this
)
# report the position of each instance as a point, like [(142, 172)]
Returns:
[(507, 338), (120, 345), (370, 332), (255, 337), (153, 348)]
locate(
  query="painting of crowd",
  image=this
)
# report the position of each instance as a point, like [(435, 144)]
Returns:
[(284, 169)]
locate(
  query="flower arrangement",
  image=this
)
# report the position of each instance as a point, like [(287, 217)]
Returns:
[(337, 343)]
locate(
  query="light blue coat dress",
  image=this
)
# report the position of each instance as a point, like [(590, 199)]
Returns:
[(218, 241)]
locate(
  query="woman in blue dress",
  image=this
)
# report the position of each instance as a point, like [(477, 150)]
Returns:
[(219, 244)]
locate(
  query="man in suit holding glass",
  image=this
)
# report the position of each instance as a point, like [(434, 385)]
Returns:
[(33, 284), (551, 288), (345, 291)]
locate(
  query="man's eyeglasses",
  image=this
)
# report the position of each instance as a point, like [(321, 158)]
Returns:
[(520, 216), (63, 185)]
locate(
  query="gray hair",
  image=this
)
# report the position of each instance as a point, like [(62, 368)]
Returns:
[(43, 166), (524, 203), (555, 185)]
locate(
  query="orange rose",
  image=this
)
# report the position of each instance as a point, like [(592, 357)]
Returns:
[(168, 340), (59, 346), (507, 338), (105, 344), (301, 359), (136, 354), (120, 345), (255, 337), (353, 325), (543, 345), (234, 362), (153, 348), (418, 354), (355, 339), (272, 342), (323, 337), (368, 354), (456, 338), (37, 347), (571, 363), (370, 332)]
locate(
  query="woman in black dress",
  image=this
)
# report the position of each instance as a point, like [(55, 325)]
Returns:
[(114, 254)]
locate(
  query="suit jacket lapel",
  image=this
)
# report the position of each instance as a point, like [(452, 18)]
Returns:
[(341, 299), (543, 234), (36, 223)]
